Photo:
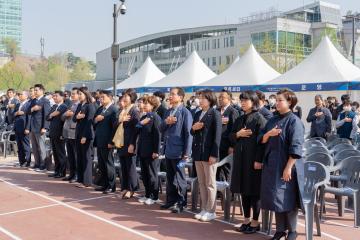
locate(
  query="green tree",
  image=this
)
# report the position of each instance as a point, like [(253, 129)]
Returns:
[(13, 75), (81, 71), (11, 47)]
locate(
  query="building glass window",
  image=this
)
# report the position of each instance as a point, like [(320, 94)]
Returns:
[(214, 61)]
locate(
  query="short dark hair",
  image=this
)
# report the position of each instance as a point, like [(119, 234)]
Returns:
[(347, 102), (289, 96), (227, 92), (75, 89), (159, 94), (11, 90), (345, 97), (131, 93), (355, 104), (252, 96), (260, 95), (180, 91), (272, 96), (210, 96), (106, 92), (85, 91), (61, 93), (40, 86)]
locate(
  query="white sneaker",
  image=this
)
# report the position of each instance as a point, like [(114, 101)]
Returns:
[(142, 200), (199, 215), (158, 201), (149, 201), (207, 217)]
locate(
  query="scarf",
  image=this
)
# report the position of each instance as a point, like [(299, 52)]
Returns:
[(119, 135)]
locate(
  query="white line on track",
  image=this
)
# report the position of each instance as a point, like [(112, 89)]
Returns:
[(82, 211), (9, 234)]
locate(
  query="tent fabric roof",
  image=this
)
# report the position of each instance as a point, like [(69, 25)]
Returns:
[(191, 73), (147, 74), (250, 69), (325, 65)]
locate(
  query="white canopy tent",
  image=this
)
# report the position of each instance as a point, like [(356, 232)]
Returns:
[(249, 70), (191, 73), (325, 65), (326, 71), (147, 74)]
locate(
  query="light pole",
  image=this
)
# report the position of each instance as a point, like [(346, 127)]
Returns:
[(115, 49), (353, 18)]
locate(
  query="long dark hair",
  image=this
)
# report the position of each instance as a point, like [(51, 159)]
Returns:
[(86, 93)]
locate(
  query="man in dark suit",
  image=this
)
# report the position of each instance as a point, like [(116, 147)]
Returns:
[(21, 120), (178, 141), (162, 108), (55, 134), (228, 116), (38, 126), (10, 106), (104, 124), (262, 109)]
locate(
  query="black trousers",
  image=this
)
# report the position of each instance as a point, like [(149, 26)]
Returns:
[(149, 172), (71, 148), (223, 172), (23, 143), (129, 175), (59, 155), (106, 167), (84, 162), (286, 221), (251, 202), (176, 182)]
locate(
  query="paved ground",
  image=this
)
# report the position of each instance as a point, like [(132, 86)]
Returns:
[(33, 206)]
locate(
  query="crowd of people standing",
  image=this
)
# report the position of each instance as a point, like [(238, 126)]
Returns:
[(264, 136)]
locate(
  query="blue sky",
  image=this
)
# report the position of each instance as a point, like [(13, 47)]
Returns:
[(85, 27)]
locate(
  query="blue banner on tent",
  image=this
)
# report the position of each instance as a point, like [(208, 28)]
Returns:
[(166, 89), (337, 86)]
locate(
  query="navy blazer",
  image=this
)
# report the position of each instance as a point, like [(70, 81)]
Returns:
[(232, 114), (206, 142), (84, 128), (149, 137), (38, 119), (267, 114), (129, 131), (177, 137), (10, 112), (56, 123), (21, 121), (105, 129)]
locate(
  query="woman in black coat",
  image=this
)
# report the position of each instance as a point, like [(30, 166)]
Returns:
[(125, 141), (248, 154), (205, 152), (84, 134), (149, 141)]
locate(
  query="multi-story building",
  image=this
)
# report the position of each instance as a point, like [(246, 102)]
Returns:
[(10, 22)]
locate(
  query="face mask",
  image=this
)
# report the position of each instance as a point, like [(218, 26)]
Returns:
[(353, 108), (272, 102), (347, 109)]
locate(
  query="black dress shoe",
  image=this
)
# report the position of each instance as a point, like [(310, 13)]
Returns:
[(292, 236), (74, 180), (178, 208), (243, 227), (166, 206), (53, 175), (109, 190), (27, 164), (279, 235), (59, 176), (100, 189), (251, 230)]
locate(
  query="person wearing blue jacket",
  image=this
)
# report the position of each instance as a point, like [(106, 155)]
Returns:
[(346, 123), (320, 119), (176, 128)]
